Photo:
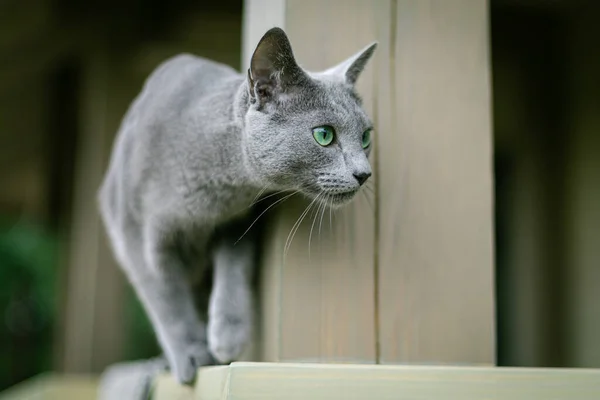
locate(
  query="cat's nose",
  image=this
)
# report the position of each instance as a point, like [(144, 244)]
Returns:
[(362, 177)]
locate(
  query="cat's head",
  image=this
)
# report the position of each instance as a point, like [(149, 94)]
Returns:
[(306, 131)]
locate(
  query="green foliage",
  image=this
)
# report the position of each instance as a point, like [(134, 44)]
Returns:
[(28, 271), (28, 256)]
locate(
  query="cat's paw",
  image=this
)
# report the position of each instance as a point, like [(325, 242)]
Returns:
[(185, 362), (228, 336)]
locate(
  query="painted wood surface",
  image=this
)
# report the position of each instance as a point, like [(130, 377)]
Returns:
[(319, 296), (435, 248), (407, 276), (265, 381), (53, 387), (270, 381)]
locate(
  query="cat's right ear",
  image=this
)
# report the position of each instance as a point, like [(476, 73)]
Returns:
[(273, 68)]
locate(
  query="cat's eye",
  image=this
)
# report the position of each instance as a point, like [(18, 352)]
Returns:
[(366, 139), (323, 135)]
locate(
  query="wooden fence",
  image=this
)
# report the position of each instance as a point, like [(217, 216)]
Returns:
[(274, 381), (405, 275)]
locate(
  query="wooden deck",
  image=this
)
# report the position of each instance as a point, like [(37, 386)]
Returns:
[(273, 381)]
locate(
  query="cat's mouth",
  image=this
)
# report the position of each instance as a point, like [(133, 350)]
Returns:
[(340, 199), (333, 199)]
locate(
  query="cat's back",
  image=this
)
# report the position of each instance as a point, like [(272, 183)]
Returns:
[(155, 131), (184, 79), (188, 69)]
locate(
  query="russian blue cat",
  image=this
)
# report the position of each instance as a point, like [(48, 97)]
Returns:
[(193, 151)]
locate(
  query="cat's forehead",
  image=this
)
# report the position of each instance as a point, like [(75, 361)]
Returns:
[(328, 101)]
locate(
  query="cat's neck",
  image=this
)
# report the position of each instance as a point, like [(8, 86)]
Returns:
[(241, 105)]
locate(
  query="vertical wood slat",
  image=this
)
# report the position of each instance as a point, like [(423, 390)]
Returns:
[(331, 286), (93, 316), (415, 283), (583, 191), (435, 174), (318, 303)]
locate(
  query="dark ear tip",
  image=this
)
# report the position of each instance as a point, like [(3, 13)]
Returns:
[(275, 32), (271, 37)]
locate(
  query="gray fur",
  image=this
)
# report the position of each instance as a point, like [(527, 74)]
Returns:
[(193, 151)]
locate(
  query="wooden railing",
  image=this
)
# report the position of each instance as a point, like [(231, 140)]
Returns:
[(275, 381), (53, 387)]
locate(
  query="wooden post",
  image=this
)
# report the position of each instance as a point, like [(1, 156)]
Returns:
[(94, 330), (435, 245), (410, 279), (583, 191)]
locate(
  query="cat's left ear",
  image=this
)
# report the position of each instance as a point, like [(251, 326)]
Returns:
[(273, 68), (351, 69)]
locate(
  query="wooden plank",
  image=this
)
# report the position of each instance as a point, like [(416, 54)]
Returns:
[(583, 191), (266, 381), (94, 329), (318, 299), (435, 186), (53, 387)]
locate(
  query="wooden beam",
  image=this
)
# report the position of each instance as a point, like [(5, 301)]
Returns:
[(411, 280), (268, 381), (318, 299), (583, 191), (94, 324), (51, 386), (434, 192), (258, 381)]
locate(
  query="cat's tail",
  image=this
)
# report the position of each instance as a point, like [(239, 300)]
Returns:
[(130, 380)]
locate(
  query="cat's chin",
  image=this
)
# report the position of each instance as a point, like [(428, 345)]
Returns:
[(337, 200), (342, 199)]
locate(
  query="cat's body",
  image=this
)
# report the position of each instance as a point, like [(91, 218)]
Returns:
[(196, 171), (181, 187), (194, 150)]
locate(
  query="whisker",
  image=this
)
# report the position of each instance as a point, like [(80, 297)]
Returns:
[(369, 202), (322, 213), (288, 242), (259, 194), (261, 214), (330, 212), (266, 197), (370, 190), (285, 247), (294, 229), (313, 224)]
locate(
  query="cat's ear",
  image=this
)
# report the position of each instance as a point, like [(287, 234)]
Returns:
[(273, 69), (350, 70)]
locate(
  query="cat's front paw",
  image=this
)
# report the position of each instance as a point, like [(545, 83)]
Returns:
[(228, 336), (186, 361)]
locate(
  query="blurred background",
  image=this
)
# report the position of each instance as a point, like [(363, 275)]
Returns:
[(69, 69)]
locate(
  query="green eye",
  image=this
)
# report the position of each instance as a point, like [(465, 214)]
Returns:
[(323, 135), (366, 139)]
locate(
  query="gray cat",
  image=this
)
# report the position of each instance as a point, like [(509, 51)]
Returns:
[(194, 150)]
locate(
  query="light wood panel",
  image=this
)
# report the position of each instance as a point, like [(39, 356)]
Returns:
[(583, 191), (318, 300), (93, 317), (53, 387), (250, 381), (435, 186), (426, 294)]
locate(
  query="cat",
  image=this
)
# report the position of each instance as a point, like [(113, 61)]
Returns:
[(193, 151)]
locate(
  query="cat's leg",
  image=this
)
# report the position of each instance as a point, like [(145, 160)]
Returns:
[(161, 282), (230, 313)]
